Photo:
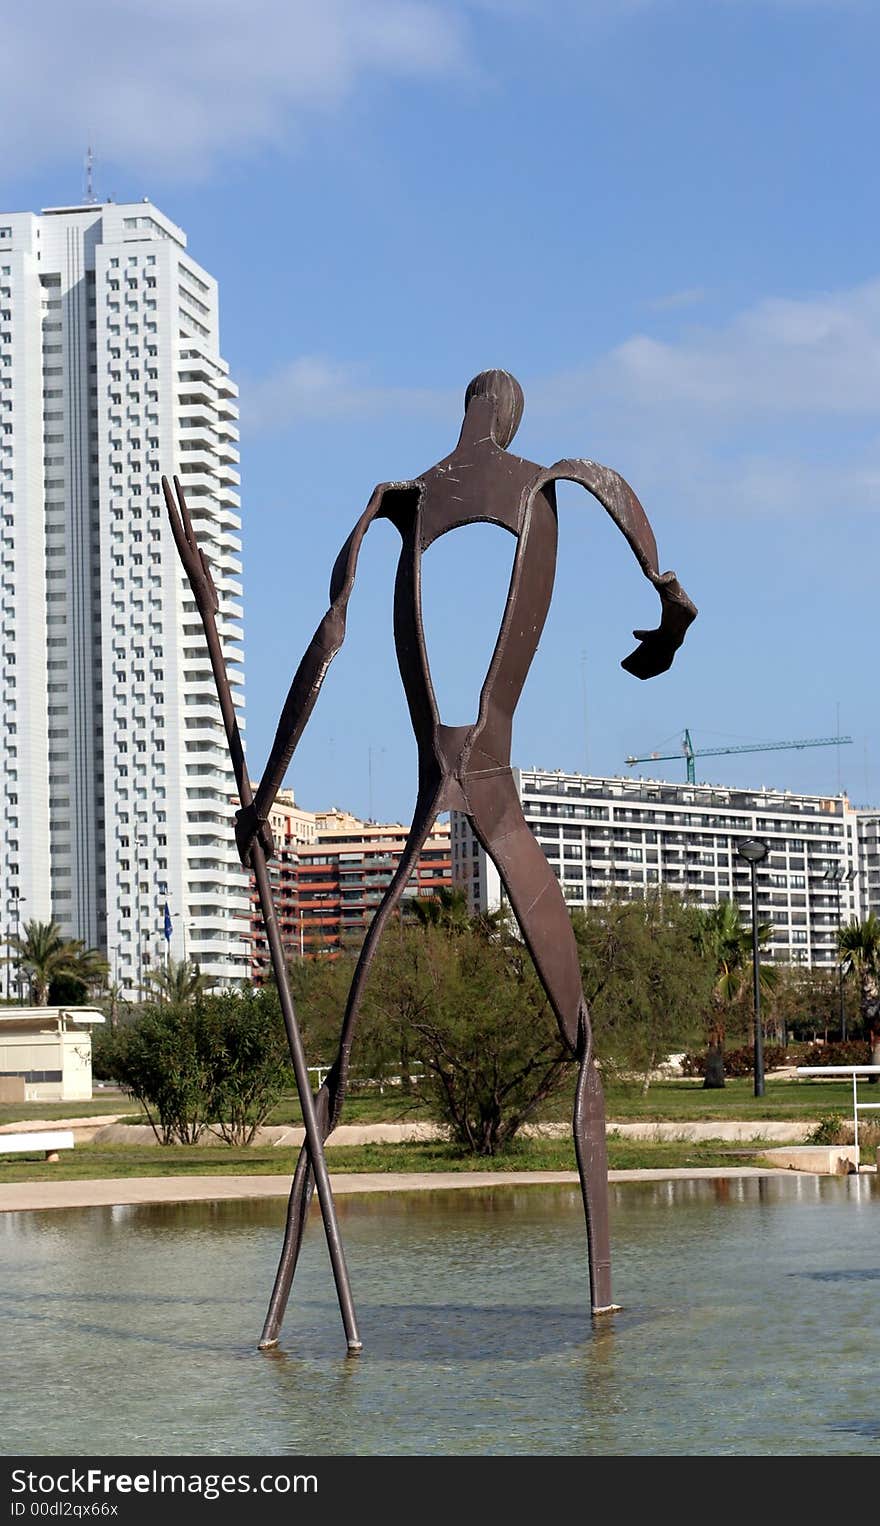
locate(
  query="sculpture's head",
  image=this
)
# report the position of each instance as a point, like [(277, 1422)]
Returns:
[(506, 394)]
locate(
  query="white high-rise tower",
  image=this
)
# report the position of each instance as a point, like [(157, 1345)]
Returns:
[(114, 777)]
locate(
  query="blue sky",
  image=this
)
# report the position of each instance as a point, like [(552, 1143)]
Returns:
[(659, 214)]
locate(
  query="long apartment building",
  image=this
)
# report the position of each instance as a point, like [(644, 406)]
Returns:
[(330, 873), (114, 776), (621, 837)]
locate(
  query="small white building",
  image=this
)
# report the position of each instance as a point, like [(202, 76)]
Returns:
[(46, 1053)]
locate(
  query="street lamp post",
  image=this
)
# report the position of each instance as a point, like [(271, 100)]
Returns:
[(180, 916), (18, 899), (837, 875), (139, 842), (754, 851), (167, 924)]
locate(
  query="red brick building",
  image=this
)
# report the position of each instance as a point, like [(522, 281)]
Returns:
[(329, 875)]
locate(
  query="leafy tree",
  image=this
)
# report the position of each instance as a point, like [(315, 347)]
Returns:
[(481, 1028), (67, 991), (461, 997), (383, 1041), (246, 1058), (177, 981), (47, 957), (159, 1060), (806, 1003), (320, 990), (644, 978), (859, 944)]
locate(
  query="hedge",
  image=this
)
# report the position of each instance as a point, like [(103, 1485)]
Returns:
[(741, 1062)]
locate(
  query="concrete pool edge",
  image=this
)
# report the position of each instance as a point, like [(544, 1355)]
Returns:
[(22, 1197)]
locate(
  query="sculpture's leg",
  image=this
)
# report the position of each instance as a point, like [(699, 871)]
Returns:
[(591, 1153), (543, 917), (329, 1099)]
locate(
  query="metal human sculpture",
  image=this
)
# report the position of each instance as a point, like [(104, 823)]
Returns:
[(467, 768)]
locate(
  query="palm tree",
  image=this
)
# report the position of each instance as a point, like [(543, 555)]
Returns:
[(46, 955), (179, 983), (448, 908), (114, 999), (723, 939), (859, 945), (92, 969)]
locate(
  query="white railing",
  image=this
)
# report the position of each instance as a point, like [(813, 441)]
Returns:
[(848, 1070)]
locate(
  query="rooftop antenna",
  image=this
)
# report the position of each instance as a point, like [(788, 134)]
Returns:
[(91, 198)]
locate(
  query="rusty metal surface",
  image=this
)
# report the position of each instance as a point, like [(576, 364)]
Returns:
[(201, 582), (467, 768)]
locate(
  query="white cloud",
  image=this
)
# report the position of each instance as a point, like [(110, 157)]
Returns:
[(173, 85), (783, 356), (816, 355), (774, 410), (687, 298), (819, 355), (766, 486), (177, 86), (316, 387)]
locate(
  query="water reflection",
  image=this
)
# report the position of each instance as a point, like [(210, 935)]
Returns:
[(133, 1330), (843, 1274), (870, 1428)]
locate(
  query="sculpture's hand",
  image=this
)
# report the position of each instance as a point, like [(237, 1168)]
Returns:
[(249, 828), (657, 648), (195, 563)]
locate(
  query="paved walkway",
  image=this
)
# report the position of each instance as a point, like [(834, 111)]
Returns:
[(108, 1130), (22, 1196), (83, 1127)]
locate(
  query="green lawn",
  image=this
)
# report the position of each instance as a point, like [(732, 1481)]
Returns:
[(88, 1162), (666, 1101), (111, 1103), (784, 1099), (362, 1106)]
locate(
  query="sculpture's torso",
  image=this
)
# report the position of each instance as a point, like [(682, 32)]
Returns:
[(480, 483)]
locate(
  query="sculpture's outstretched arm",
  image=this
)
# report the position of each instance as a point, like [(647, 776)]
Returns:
[(656, 648), (306, 685)]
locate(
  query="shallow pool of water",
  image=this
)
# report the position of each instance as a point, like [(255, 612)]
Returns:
[(749, 1326)]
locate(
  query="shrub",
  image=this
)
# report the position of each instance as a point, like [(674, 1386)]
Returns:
[(476, 1018), (157, 1058), (246, 1059), (836, 1129), (853, 1052), (221, 1062), (828, 1130), (738, 1062)]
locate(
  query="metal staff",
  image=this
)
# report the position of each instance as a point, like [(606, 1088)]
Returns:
[(201, 582)]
